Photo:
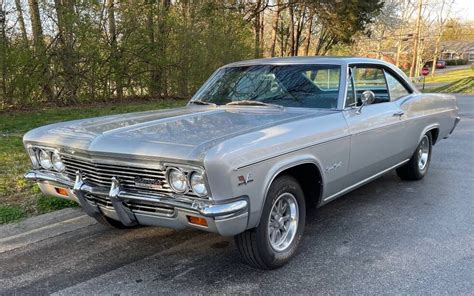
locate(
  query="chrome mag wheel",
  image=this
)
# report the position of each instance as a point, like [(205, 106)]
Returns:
[(423, 153), (283, 222)]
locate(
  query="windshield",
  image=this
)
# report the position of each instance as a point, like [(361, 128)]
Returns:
[(309, 86)]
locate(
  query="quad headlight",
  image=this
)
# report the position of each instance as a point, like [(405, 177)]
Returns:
[(187, 179), (177, 180), (44, 158), (58, 164), (198, 184)]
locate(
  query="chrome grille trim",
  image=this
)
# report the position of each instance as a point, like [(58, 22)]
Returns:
[(101, 174)]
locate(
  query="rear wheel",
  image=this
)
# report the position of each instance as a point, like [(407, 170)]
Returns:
[(274, 242), (417, 167)]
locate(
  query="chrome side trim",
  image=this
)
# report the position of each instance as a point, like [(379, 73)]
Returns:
[(365, 181), (254, 162)]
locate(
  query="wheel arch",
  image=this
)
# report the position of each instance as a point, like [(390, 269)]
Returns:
[(297, 167), (433, 129)]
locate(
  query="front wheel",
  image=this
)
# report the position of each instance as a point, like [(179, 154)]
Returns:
[(275, 240), (417, 167)]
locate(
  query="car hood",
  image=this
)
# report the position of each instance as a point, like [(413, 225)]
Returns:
[(182, 133)]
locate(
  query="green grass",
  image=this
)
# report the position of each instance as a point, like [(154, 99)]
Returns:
[(450, 76), (19, 198), (11, 214), (463, 85)]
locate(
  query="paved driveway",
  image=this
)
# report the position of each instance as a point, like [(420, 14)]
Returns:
[(388, 237)]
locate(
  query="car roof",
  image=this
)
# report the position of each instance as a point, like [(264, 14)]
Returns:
[(337, 60)]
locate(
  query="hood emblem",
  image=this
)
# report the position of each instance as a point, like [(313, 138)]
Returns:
[(148, 183)]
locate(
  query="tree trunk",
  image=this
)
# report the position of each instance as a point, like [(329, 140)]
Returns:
[(262, 31), (157, 87), (257, 25), (115, 55), (3, 55), (414, 62), (379, 45), (308, 34), (40, 50), (67, 57), (21, 21), (399, 49), (275, 28), (292, 29)]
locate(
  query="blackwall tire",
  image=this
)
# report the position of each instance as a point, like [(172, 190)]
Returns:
[(275, 240)]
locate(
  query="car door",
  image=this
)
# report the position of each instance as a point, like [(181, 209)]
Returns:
[(376, 129)]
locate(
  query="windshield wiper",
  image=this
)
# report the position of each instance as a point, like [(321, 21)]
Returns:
[(253, 103), (199, 102)]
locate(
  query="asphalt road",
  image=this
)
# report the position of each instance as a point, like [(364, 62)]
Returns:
[(388, 237)]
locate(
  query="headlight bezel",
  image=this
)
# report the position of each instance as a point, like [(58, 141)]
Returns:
[(45, 162), (35, 153), (62, 167), (170, 170), (188, 171), (201, 174)]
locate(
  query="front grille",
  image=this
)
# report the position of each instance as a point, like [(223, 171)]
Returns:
[(101, 174)]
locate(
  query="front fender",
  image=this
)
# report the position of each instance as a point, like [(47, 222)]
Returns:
[(277, 166)]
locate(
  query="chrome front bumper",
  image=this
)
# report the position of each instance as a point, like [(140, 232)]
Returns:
[(229, 218)]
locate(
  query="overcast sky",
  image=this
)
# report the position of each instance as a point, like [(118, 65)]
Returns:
[(464, 9)]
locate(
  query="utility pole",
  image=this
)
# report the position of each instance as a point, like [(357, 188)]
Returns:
[(414, 62)]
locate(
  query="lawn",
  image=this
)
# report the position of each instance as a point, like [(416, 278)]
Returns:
[(463, 85), (450, 76), (20, 199)]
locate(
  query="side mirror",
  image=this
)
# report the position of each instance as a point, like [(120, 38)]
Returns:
[(367, 97)]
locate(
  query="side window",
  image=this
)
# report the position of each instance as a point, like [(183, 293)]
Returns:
[(325, 79), (373, 79), (397, 90)]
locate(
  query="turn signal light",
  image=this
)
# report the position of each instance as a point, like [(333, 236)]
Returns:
[(197, 220), (61, 191)]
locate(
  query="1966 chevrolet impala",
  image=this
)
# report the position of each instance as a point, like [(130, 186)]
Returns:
[(258, 144)]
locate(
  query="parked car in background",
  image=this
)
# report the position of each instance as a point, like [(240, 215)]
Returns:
[(258, 144), (440, 64)]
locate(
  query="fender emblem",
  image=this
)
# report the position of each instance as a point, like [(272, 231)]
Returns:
[(244, 180), (334, 166)]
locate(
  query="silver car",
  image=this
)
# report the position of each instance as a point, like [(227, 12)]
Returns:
[(258, 144)]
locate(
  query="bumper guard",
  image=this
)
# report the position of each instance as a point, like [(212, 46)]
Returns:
[(116, 194)]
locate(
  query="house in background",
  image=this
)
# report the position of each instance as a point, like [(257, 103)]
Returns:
[(457, 50)]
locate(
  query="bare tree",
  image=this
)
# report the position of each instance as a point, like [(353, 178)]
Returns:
[(40, 49), (3, 48), (309, 32), (442, 18), (115, 55), (276, 19), (407, 8), (21, 21), (416, 37)]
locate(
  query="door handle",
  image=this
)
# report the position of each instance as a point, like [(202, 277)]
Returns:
[(399, 113)]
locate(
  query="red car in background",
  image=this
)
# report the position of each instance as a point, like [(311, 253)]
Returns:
[(441, 64)]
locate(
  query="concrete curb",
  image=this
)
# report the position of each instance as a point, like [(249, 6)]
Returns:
[(35, 229)]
